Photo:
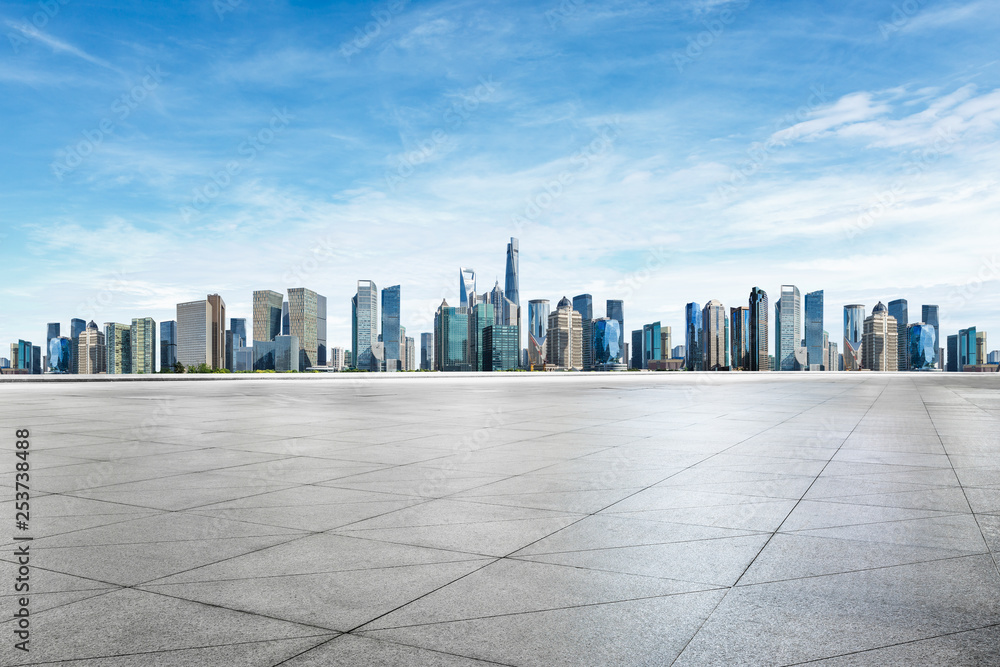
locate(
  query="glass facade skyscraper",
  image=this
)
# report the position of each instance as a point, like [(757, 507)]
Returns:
[(322, 358), (608, 344), (922, 350), (854, 323), (759, 336), (451, 338), (652, 342), (76, 327), (364, 327), (788, 327), (815, 353), (52, 331), (715, 336), (236, 338), (953, 354), (60, 354), (500, 349), (168, 345), (739, 338), (390, 327), (303, 323), (466, 288), (267, 307), (898, 310), (538, 325), (584, 304), (929, 315), (118, 338), (692, 342), (427, 351), (480, 317), (280, 355), (967, 348), (615, 309), (143, 341), (511, 286)]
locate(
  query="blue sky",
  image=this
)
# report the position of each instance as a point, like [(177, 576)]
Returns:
[(656, 152)]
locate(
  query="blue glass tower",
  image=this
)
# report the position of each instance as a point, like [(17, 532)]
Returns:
[(759, 338), (898, 310), (76, 327), (390, 326), (929, 315), (607, 344), (814, 330), (168, 345), (692, 341), (651, 343), (923, 351), (854, 327)]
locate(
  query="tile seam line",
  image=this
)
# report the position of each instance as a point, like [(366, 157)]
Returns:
[(768, 541), (961, 486)]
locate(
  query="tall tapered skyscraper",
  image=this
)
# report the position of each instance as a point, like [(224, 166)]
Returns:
[(759, 314), (511, 286), (854, 323), (466, 288)]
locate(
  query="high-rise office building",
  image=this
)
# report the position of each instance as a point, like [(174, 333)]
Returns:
[(76, 327), (391, 327), (898, 310), (303, 323), (538, 323), (608, 345), (364, 327), (715, 336), (467, 288), (759, 337), (480, 317), (980, 348), (168, 345), (635, 360), (678, 352), (92, 353), (967, 348), (652, 342), (451, 338), (118, 338), (267, 307), (338, 358), (584, 304), (833, 357), (879, 342), (929, 315), (281, 355), (615, 309), (427, 352), (236, 337), (201, 332), (815, 352), (854, 324), (564, 337), (923, 352), (739, 338), (286, 324), (411, 354), (36, 359), (143, 343), (52, 332), (500, 349), (694, 360), (60, 354), (953, 354), (322, 357), (511, 287), (788, 327)]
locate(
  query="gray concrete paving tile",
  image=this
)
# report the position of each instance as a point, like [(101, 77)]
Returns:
[(794, 621), (349, 650), (752, 516), (313, 517), (651, 631), (822, 514), (971, 648), (955, 533)]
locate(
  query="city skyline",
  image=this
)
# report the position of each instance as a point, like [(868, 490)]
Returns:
[(865, 176)]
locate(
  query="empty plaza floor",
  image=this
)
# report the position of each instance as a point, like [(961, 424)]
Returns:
[(833, 519)]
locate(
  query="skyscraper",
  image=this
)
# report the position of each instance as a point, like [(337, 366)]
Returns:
[(635, 357), (538, 323), (451, 338), (427, 351), (267, 306), (715, 338), (923, 352), (52, 331), (411, 354), (815, 352), (143, 339), (201, 332), (759, 337), (500, 350), (364, 327), (692, 343), (511, 287), (652, 342), (608, 345), (898, 309), (236, 337), (953, 354), (615, 309), (466, 288), (564, 337), (880, 343), (584, 304), (60, 354), (390, 327), (929, 315), (788, 327), (968, 348), (118, 338), (76, 327), (480, 317), (322, 358), (739, 338), (168, 345), (282, 354), (303, 323), (854, 322), (92, 353)]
